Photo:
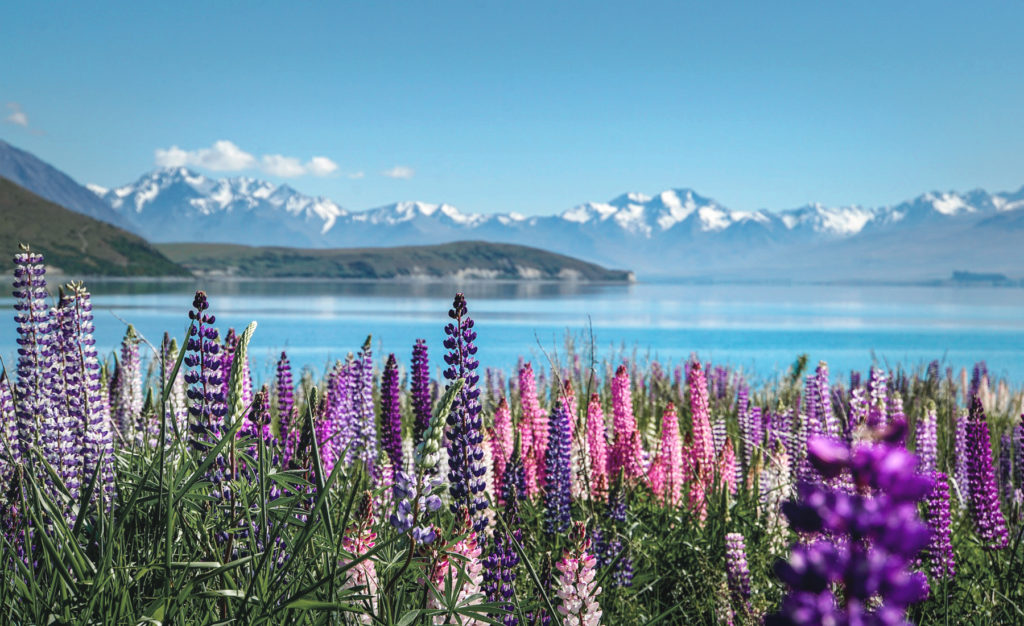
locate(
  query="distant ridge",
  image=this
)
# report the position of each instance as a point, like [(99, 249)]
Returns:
[(459, 261), (46, 181), (73, 243)]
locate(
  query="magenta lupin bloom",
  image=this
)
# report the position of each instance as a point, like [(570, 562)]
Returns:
[(736, 567), (391, 413), (504, 439), (941, 561), (422, 405), (534, 419), (703, 444), (670, 456), (983, 495), (627, 454), (597, 449), (925, 440), (33, 319)]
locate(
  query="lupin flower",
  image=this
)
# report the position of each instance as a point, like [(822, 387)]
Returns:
[(736, 568), (535, 420), (670, 457), (960, 460), (468, 567), (358, 540), (499, 566), (576, 588), (877, 536), (627, 453), (10, 451), (204, 378), (464, 432), (177, 402), (514, 483), (703, 444), (503, 441), (33, 318), (126, 396), (727, 467), (941, 559), (557, 494), (877, 398), (391, 412), (420, 390), (925, 440), (983, 495), (363, 445), (415, 500), (597, 449)]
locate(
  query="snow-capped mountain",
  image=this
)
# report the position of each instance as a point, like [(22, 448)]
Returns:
[(674, 232), (176, 204)]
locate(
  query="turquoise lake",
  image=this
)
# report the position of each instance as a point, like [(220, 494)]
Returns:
[(761, 328)]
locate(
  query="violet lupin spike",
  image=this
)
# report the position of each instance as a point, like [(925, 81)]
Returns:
[(364, 428), (33, 319), (557, 489), (464, 426), (422, 405), (960, 460), (97, 436), (204, 378), (941, 560), (391, 412), (736, 568), (10, 451), (983, 494), (127, 392)]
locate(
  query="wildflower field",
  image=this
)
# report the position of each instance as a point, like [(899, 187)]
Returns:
[(162, 484)]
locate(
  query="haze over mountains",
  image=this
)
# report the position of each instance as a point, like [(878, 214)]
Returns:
[(677, 232)]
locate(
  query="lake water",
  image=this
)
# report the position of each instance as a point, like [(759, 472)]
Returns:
[(760, 328)]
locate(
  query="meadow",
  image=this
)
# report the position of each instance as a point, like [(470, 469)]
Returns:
[(163, 484)]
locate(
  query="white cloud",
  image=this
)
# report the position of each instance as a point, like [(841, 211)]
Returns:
[(17, 116), (285, 167), (225, 156), (400, 171), (321, 166)]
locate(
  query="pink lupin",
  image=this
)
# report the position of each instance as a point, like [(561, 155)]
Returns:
[(671, 456), (727, 466), (535, 419), (703, 441), (597, 448), (627, 453), (502, 443)]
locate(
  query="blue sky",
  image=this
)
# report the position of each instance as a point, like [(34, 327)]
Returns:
[(529, 107)]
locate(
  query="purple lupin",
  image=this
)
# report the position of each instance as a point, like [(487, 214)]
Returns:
[(464, 427), (983, 495), (420, 389), (391, 413)]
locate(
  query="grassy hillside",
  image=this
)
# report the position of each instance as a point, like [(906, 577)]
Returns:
[(75, 243), (464, 259)]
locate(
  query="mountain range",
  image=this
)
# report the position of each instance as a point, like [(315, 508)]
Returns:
[(678, 232)]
